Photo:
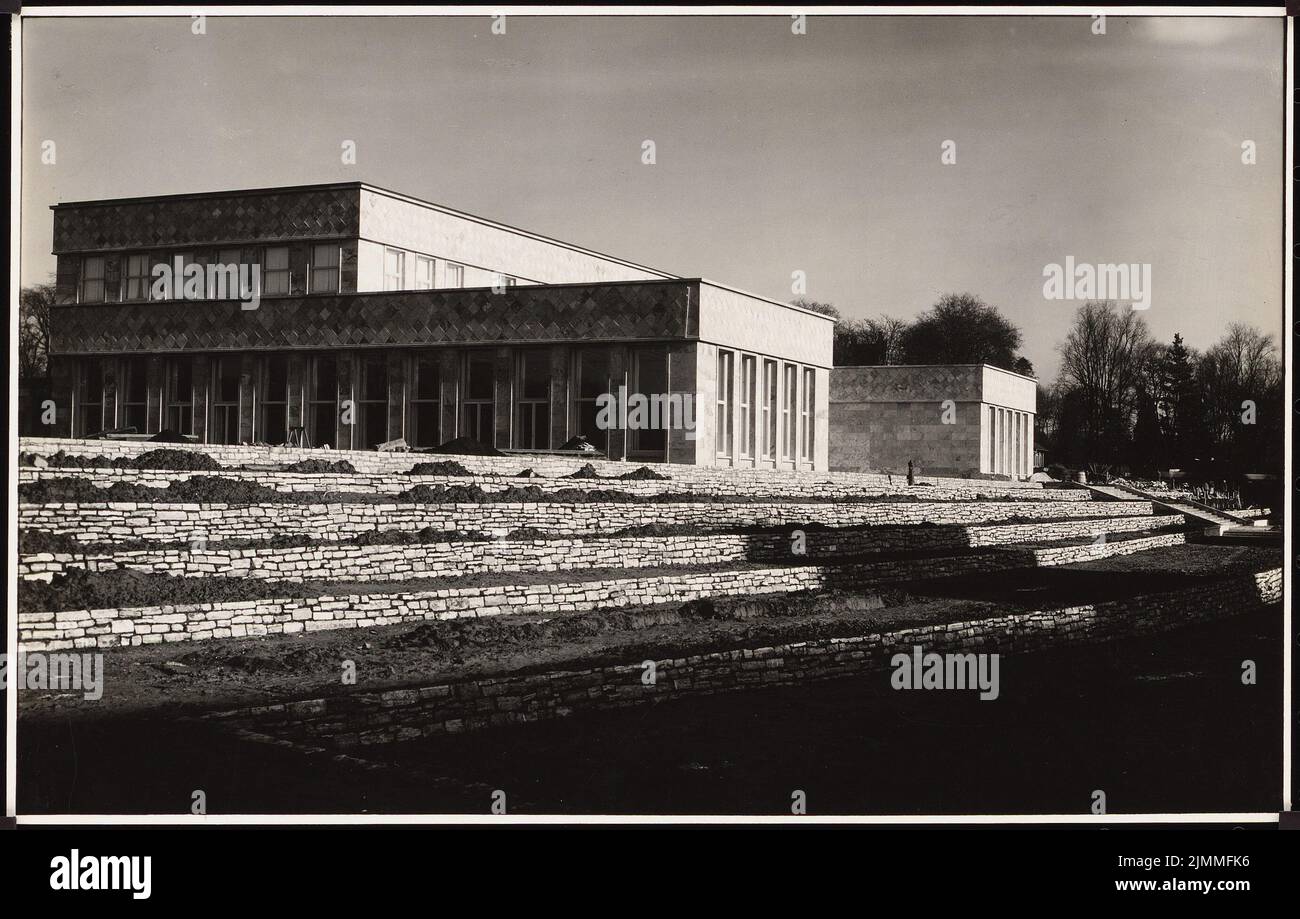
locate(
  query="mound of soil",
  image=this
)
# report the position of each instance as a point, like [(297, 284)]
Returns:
[(163, 458), (443, 467), (205, 490), (526, 474), (467, 446), (644, 474), (321, 466), (168, 436), (588, 471), (78, 589)]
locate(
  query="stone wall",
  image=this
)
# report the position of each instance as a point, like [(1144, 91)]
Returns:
[(102, 522), (396, 562), (393, 483), (372, 462), (106, 628), (365, 718)]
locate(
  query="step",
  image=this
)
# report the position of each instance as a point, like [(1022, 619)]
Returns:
[(105, 522), (447, 559), (107, 628)]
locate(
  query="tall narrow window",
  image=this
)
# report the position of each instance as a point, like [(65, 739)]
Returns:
[(649, 438), (394, 269), (224, 428), (274, 415), (227, 285), (178, 414), (201, 260), (323, 400), (426, 406), (137, 278), (807, 414), (275, 271), (423, 272), (534, 402), (325, 268), (90, 396), (790, 412), (453, 275), (372, 402), (748, 379), (134, 394), (92, 279), (723, 424), (769, 404), (593, 370), (479, 415)]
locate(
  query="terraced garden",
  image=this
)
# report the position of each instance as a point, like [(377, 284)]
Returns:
[(469, 596)]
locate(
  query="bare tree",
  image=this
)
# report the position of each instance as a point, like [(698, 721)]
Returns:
[(34, 305), (1104, 359)]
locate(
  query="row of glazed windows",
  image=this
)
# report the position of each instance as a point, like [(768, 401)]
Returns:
[(429, 394), (766, 408)]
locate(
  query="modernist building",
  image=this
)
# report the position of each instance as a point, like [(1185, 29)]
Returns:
[(383, 316), (946, 419)]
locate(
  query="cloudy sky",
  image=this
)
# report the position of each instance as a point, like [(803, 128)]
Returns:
[(776, 152)]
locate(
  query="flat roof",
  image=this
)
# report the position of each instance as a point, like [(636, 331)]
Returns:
[(915, 366)]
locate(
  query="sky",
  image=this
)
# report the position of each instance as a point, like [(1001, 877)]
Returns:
[(775, 153)]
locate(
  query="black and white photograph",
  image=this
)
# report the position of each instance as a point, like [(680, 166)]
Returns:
[(739, 415)]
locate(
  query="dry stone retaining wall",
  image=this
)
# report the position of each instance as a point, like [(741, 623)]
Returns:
[(192, 622), (393, 483), (367, 718), (104, 522), (549, 466), (395, 562)]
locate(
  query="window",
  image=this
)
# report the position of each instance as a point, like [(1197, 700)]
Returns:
[(226, 371), (90, 396), (323, 400), (790, 412), (426, 406), (92, 280), (394, 268), (135, 394), (201, 259), (769, 406), (649, 440), (453, 275), (137, 278), (227, 283), (275, 272), (479, 402), (534, 424), (372, 402), (592, 371), (807, 414), (748, 377), (726, 384), (325, 268), (274, 427), (504, 280), (178, 394), (993, 439), (423, 272)]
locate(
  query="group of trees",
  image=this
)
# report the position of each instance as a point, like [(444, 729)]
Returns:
[(959, 329), (1124, 400)]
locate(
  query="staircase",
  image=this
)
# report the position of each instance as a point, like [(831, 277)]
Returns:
[(1218, 524)]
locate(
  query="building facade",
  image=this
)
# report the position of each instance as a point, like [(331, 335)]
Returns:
[(953, 420), (380, 316)]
